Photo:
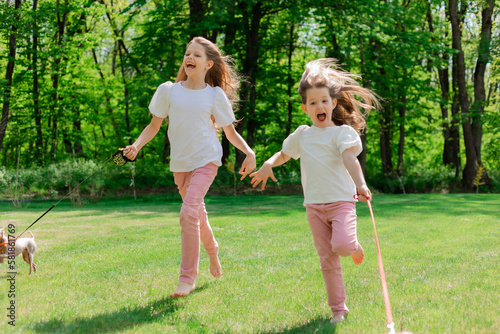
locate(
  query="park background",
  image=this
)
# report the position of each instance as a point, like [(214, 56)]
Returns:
[(79, 75)]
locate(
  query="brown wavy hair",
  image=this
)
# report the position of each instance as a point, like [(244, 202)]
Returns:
[(221, 74), (343, 86)]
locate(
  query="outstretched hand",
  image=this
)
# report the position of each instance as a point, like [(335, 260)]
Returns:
[(265, 172), (248, 165)]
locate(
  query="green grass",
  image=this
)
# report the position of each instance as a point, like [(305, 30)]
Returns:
[(109, 268)]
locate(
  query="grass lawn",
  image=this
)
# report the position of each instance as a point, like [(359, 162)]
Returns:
[(110, 267)]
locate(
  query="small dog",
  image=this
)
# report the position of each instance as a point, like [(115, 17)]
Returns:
[(26, 246)]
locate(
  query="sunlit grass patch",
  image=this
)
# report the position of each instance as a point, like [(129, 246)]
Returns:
[(110, 266)]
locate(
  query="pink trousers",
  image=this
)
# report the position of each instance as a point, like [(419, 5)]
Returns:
[(193, 187), (333, 227)]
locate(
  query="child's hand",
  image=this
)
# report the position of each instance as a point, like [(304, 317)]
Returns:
[(248, 165), (131, 152), (364, 194), (265, 172)]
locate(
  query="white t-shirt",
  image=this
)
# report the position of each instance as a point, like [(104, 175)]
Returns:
[(191, 132), (325, 178)]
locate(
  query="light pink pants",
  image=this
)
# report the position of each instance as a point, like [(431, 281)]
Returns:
[(333, 227), (193, 187)]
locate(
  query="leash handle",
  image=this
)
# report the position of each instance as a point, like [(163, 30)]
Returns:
[(120, 159), (388, 312)]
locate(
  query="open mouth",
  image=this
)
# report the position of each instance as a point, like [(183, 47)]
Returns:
[(191, 66), (321, 117)]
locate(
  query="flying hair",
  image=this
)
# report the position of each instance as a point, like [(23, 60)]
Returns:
[(344, 87)]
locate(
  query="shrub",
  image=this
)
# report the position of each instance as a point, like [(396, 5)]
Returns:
[(96, 181)]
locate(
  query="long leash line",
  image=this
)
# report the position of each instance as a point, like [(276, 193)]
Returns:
[(69, 192), (388, 312)]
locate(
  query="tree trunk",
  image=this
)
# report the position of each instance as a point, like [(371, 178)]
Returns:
[(120, 50), (79, 28), (252, 21), (290, 81), (166, 147), (229, 48), (385, 139), (125, 93), (362, 155), (196, 16), (448, 150), (8, 77), (226, 149), (471, 122), (451, 145), (455, 119), (39, 156), (61, 25), (334, 50), (109, 110), (67, 142), (469, 171), (401, 145), (77, 126), (477, 109), (385, 131)]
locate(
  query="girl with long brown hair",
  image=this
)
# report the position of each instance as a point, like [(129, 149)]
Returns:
[(200, 101), (331, 173)]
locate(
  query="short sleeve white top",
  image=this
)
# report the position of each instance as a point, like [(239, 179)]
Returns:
[(324, 176), (192, 135)]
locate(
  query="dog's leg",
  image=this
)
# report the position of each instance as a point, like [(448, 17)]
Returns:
[(32, 258), (32, 249), (27, 258)]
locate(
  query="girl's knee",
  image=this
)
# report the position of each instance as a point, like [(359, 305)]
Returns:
[(188, 213), (330, 263), (345, 249)]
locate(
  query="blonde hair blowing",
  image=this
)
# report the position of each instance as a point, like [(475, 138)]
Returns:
[(221, 74), (343, 86)]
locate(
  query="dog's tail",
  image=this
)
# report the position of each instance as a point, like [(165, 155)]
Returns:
[(32, 236)]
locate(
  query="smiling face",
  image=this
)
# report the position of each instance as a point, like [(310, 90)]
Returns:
[(319, 106), (196, 63)]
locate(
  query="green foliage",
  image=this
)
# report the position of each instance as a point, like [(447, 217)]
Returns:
[(59, 179), (417, 180), (98, 72)]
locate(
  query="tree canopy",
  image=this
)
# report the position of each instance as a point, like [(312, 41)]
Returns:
[(78, 76)]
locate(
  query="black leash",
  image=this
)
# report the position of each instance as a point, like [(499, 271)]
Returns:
[(119, 159)]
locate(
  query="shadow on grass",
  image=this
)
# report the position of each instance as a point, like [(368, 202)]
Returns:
[(116, 322), (319, 325)]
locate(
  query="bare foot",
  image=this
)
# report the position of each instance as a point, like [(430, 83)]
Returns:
[(358, 255), (337, 318), (183, 289), (215, 267)]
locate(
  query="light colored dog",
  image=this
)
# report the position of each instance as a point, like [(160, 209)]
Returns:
[(25, 246)]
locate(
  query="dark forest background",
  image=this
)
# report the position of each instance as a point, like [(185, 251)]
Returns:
[(77, 77)]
